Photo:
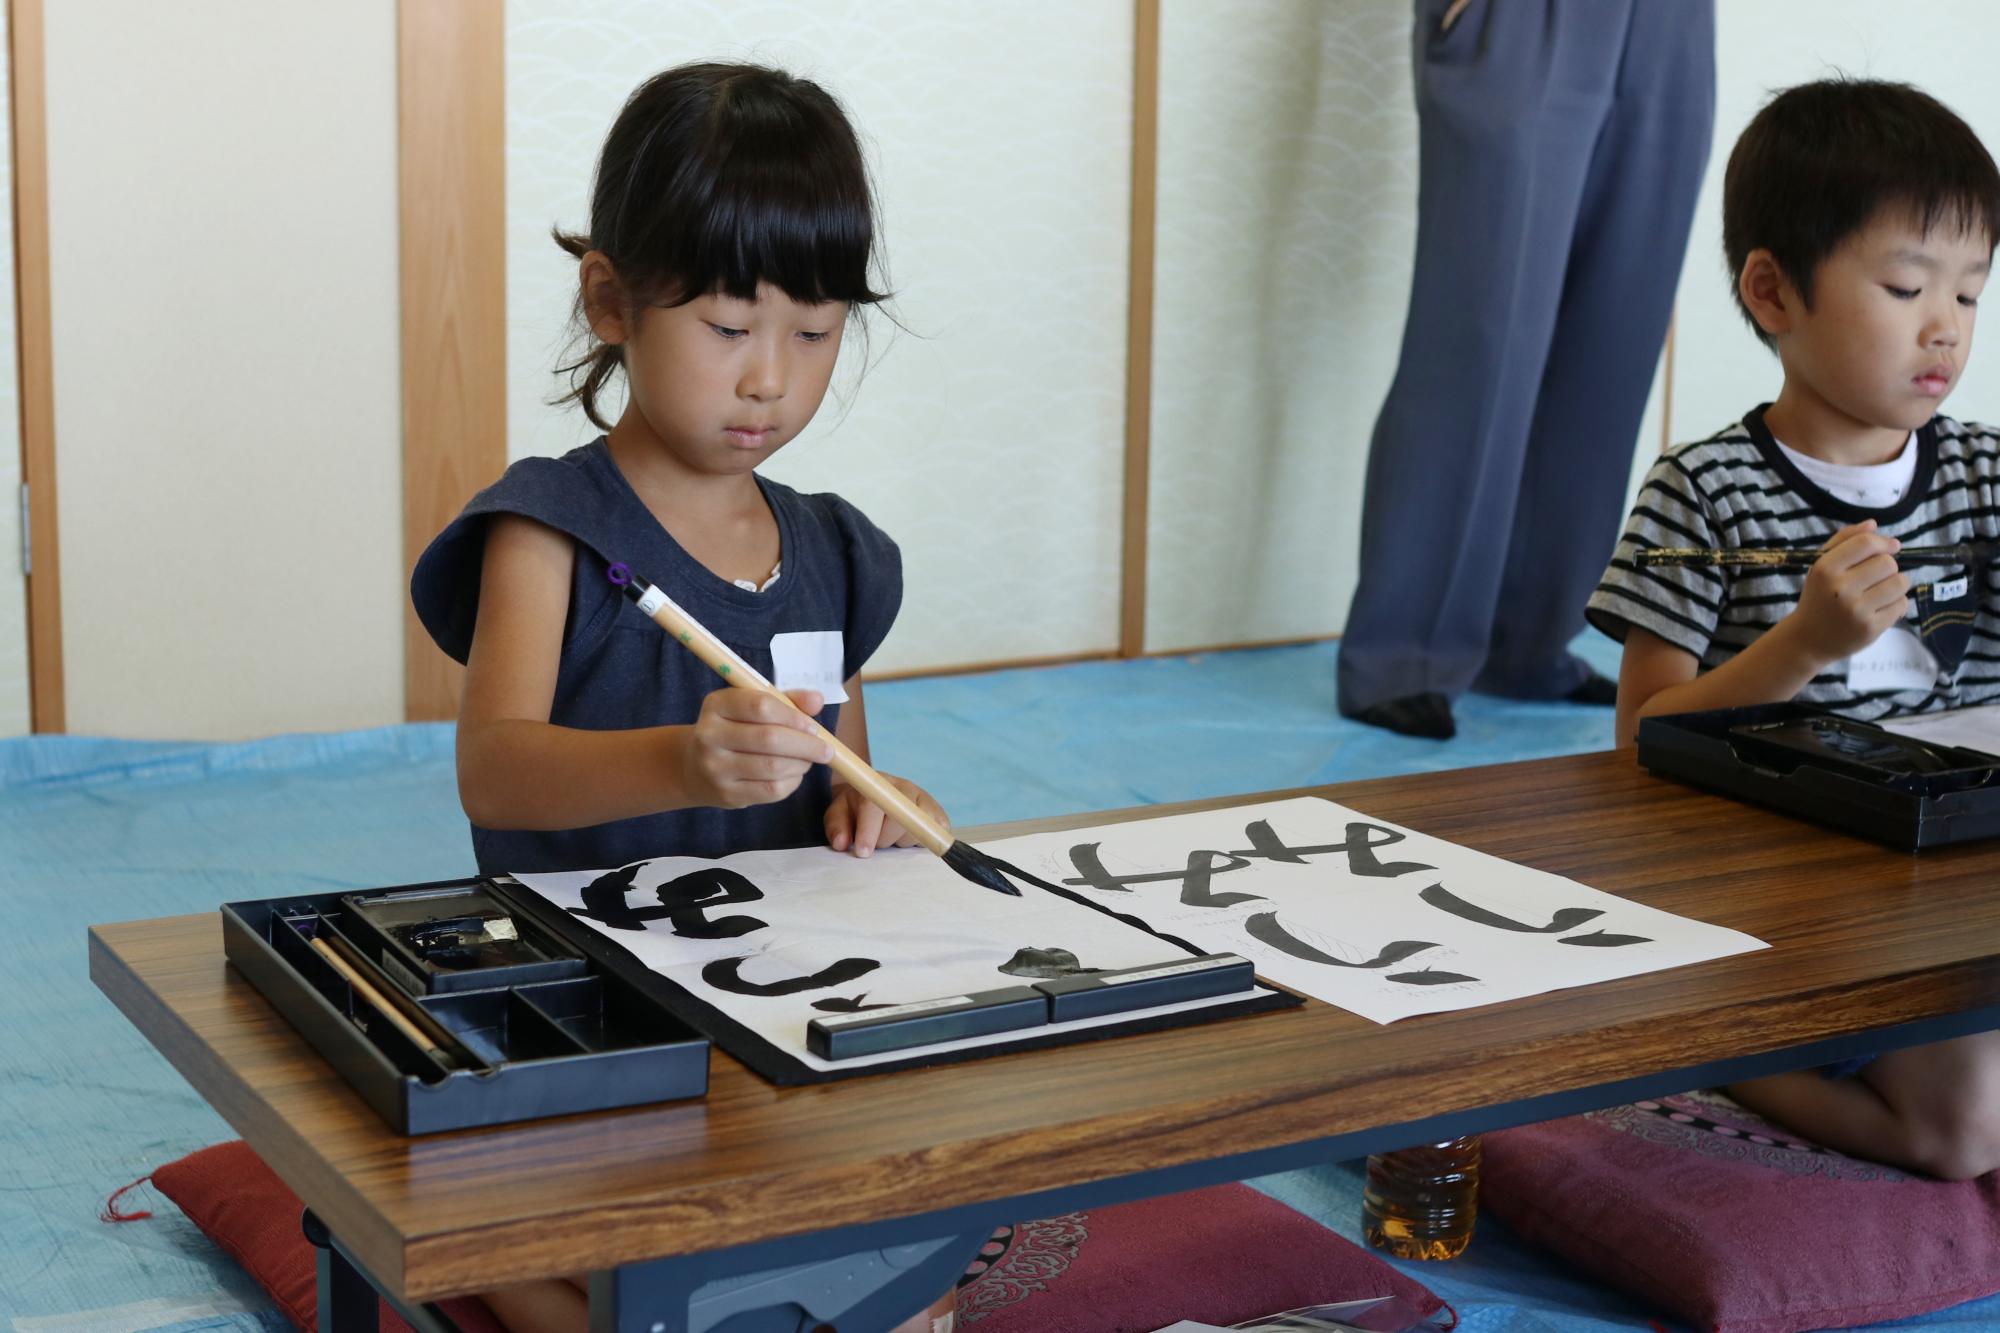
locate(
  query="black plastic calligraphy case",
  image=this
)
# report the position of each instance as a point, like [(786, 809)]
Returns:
[(1852, 776), (567, 1033)]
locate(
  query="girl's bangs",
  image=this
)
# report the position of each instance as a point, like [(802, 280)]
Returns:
[(786, 221)]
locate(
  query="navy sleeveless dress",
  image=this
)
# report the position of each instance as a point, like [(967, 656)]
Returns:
[(619, 669)]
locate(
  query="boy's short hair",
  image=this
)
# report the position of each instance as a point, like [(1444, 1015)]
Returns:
[(1821, 160)]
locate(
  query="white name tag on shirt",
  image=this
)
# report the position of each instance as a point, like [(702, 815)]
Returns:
[(810, 660), (1945, 590), (1897, 660)]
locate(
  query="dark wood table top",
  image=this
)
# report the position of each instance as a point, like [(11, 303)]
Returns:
[(1863, 938)]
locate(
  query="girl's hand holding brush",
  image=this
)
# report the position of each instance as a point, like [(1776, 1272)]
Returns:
[(903, 800), (748, 748), (855, 823)]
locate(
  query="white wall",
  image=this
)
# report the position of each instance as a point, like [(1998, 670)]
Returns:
[(1287, 206), (989, 444), (14, 710), (1288, 192), (223, 220), (223, 216), (1950, 49)]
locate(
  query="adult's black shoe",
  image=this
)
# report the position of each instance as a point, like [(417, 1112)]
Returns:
[(1426, 715)]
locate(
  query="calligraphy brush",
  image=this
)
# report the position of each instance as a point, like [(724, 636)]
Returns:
[(422, 1028), (981, 868), (1802, 557)]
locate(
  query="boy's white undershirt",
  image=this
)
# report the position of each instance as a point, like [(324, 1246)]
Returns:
[(1897, 660), (1870, 485)]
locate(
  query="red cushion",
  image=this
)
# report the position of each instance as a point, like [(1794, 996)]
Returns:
[(241, 1205), (1219, 1256), (1734, 1224)]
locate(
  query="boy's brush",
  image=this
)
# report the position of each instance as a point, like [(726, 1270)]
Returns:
[(984, 870), (1802, 557)]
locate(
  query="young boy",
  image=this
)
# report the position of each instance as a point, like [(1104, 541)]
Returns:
[(1859, 219)]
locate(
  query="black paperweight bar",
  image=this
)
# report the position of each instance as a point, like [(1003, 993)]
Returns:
[(1092, 994), (899, 1027)]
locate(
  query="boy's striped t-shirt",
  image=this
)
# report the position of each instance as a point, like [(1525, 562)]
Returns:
[(1737, 489)]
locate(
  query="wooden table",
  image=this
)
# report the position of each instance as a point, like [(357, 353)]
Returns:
[(1871, 949)]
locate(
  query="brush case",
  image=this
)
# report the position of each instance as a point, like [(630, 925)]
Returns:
[(1853, 785), (577, 1032)]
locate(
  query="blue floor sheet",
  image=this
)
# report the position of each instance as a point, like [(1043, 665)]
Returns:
[(109, 830)]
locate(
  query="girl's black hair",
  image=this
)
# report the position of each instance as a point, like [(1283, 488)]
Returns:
[(1821, 160), (715, 178)]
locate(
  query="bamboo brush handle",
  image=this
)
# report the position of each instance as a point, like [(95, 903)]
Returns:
[(380, 1003), (667, 614)]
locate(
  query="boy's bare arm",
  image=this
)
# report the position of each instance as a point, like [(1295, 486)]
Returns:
[(1655, 677), (1853, 593), (516, 770)]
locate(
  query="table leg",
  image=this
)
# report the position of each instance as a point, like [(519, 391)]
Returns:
[(350, 1299), (347, 1302)]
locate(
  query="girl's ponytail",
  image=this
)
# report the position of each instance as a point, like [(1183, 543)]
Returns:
[(592, 368)]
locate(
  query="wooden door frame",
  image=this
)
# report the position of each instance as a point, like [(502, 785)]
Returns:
[(451, 114), (33, 338), (1139, 327)]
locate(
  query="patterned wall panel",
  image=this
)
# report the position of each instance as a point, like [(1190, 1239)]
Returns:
[(1949, 49), (1286, 213), (986, 435)]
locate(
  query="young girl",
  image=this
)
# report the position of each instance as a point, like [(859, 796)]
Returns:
[(730, 234)]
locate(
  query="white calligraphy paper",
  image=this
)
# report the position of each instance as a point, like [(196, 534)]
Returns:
[(1375, 918), (775, 939), (1976, 728), (1364, 914)]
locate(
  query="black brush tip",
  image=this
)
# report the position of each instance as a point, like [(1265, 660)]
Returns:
[(978, 867)]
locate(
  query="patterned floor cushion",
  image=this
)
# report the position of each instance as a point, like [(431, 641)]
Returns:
[(1218, 1255), (1694, 1203)]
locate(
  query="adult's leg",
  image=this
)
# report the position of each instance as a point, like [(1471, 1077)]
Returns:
[(1509, 101), (1617, 298)]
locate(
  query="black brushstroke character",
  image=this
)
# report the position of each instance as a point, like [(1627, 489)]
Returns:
[(1265, 845), (726, 974), (683, 902), (1263, 926), (1360, 845), (1564, 918), (691, 896), (604, 900), (845, 1004), (1201, 867)]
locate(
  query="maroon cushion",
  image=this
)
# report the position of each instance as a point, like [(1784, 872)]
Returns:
[(1734, 1224), (1219, 1255), (241, 1205)]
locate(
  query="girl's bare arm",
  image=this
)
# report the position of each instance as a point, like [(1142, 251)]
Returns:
[(516, 770)]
